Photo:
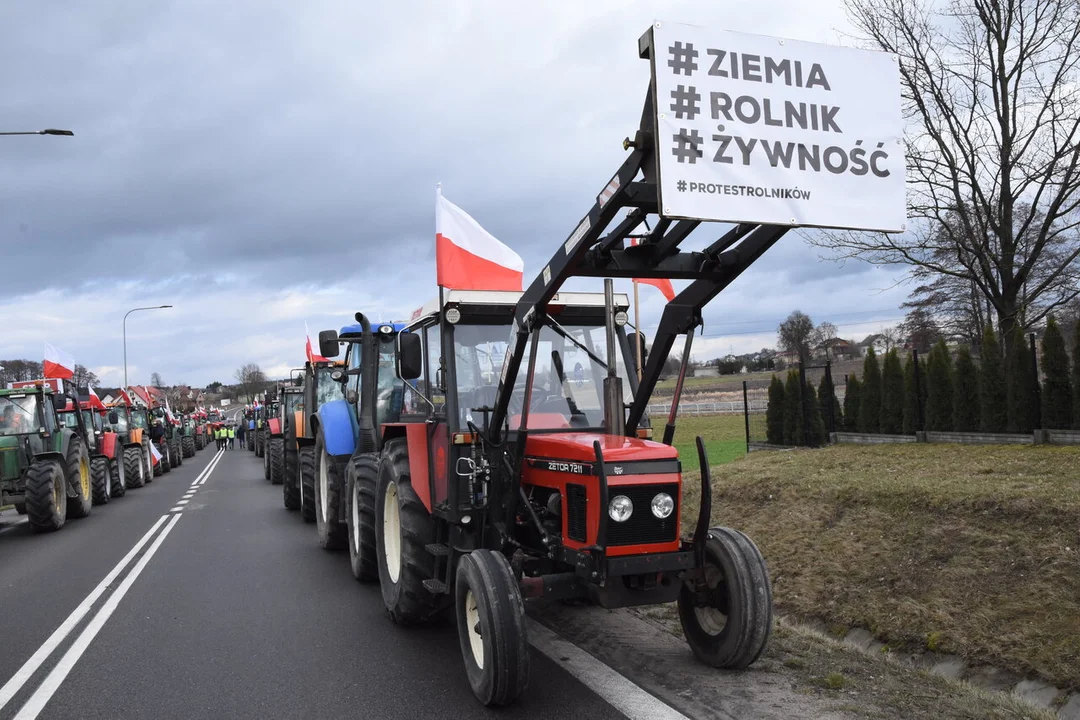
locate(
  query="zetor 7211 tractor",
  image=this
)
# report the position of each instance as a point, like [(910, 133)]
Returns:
[(521, 464), (44, 466)]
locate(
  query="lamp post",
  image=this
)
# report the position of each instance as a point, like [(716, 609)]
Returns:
[(155, 307), (47, 131)]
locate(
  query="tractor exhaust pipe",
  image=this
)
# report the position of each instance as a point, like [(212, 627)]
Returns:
[(614, 411)]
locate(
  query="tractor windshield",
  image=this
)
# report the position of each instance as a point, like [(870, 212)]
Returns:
[(568, 379), (138, 420), (293, 401), (89, 419), (121, 425), (326, 390), (69, 420), (18, 414)]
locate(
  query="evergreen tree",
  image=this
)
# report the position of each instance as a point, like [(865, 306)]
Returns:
[(1019, 388), (939, 384), (1057, 387), (793, 419), (1076, 378), (774, 415), (993, 403), (911, 399), (852, 401), (965, 393), (870, 400), (892, 394), (828, 402), (817, 425)]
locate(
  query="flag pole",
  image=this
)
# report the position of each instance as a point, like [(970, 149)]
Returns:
[(639, 339)]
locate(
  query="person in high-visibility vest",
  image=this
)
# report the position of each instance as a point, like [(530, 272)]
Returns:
[(232, 437)]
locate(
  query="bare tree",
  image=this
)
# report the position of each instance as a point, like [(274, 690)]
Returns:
[(890, 338), (81, 376), (249, 378), (155, 380), (796, 334), (991, 92), (920, 330), (19, 370), (822, 334)]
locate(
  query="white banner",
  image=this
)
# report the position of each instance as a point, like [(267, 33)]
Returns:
[(763, 130), (225, 402)]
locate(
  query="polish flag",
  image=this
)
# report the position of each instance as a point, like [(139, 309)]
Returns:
[(58, 364), (311, 356), (664, 285), (155, 456), (468, 257)]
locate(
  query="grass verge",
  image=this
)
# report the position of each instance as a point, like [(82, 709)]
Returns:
[(724, 437), (971, 549)]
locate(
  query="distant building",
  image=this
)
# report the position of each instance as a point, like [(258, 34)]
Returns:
[(835, 349)]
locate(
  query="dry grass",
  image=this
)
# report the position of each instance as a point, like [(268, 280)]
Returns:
[(973, 549)]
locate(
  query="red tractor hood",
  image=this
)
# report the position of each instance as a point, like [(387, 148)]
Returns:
[(579, 447)]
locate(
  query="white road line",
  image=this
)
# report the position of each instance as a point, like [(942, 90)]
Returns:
[(622, 694), (177, 509), (210, 468), (31, 666), (52, 682), (182, 502), (14, 525)]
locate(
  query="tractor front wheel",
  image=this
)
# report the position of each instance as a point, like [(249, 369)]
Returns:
[(363, 479), (100, 487), (290, 480), (328, 485), (77, 474), (187, 446), (134, 471), (176, 453), (729, 621), (46, 496), (277, 461), (403, 528), (491, 627), (116, 478), (307, 483)]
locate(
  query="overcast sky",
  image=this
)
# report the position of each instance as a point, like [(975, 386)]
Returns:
[(260, 165)]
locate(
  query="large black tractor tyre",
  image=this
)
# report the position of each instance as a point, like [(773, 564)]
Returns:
[(402, 530), (20, 508), (46, 496), (116, 478), (363, 474), (151, 472), (134, 470), (266, 463), (307, 483), (100, 485), (199, 442), (251, 439), (260, 439), (731, 626), (176, 455), (333, 535), (491, 627), (77, 476), (290, 480), (187, 446), (277, 461)]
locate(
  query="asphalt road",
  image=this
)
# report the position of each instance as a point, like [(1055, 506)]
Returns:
[(228, 608)]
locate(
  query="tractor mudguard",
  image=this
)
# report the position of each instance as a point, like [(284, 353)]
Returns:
[(108, 445), (338, 426), (416, 437), (275, 426), (135, 436)]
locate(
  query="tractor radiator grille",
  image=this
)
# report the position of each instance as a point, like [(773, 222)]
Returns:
[(575, 512), (643, 527)]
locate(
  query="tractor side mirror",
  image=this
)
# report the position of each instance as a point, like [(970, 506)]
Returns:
[(410, 356), (113, 417), (351, 397), (637, 343), (59, 402), (328, 343)]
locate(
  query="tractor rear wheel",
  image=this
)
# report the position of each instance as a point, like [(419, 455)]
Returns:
[(328, 486), (290, 481), (277, 461), (176, 458), (148, 464), (266, 463), (198, 442), (116, 478), (363, 475), (77, 474), (729, 625), (187, 446), (166, 458), (134, 472), (403, 528), (46, 495), (491, 627), (307, 483), (100, 487), (20, 508)]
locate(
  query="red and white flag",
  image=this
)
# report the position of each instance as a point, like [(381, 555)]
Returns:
[(58, 364), (663, 285), (468, 257), (311, 356), (155, 456)]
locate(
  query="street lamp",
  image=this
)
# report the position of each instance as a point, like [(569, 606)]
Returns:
[(155, 307), (47, 131)]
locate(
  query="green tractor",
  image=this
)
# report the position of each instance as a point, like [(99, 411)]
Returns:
[(187, 437), (44, 466)]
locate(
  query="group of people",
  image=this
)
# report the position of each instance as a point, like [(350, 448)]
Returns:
[(226, 436)]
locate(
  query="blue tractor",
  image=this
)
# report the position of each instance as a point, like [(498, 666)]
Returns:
[(346, 435)]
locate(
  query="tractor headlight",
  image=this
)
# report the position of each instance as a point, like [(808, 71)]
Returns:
[(453, 316), (620, 509), (621, 318), (662, 505)]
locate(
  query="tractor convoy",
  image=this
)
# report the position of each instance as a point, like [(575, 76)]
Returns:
[(63, 451), (496, 447)]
